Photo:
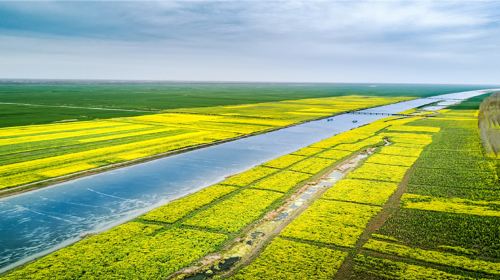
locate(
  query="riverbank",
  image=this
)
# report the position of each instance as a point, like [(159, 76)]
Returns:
[(36, 160)]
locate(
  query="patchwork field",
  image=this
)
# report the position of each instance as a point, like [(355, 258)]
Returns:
[(40, 102), (423, 202), (338, 235), (215, 216), (34, 153), (448, 222)]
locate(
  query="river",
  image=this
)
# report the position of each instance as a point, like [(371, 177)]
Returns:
[(37, 222)]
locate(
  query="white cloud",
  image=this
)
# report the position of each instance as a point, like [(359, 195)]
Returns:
[(398, 41)]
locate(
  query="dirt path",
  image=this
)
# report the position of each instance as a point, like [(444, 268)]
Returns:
[(375, 223), (245, 249)]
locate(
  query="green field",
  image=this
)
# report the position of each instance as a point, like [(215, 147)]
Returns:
[(448, 221), (34, 153), (155, 96)]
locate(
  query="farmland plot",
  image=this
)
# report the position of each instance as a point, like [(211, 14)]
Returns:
[(444, 228), (449, 219), (212, 217), (29, 154)]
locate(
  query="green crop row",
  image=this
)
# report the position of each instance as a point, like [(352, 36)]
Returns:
[(455, 154), (454, 160), (463, 177), (429, 229), (366, 267), (457, 139), (436, 257), (454, 192)]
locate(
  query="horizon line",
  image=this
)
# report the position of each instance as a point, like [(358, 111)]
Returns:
[(117, 81)]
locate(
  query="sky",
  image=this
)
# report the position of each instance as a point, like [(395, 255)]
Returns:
[(281, 41)]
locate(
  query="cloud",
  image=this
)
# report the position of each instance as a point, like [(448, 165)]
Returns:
[(254, 40)]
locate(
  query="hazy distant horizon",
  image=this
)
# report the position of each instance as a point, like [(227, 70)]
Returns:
[(27, 80)]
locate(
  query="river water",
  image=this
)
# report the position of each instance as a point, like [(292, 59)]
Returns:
[(37, 222)]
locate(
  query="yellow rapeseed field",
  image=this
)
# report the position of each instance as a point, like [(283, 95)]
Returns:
[(38, 152)]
